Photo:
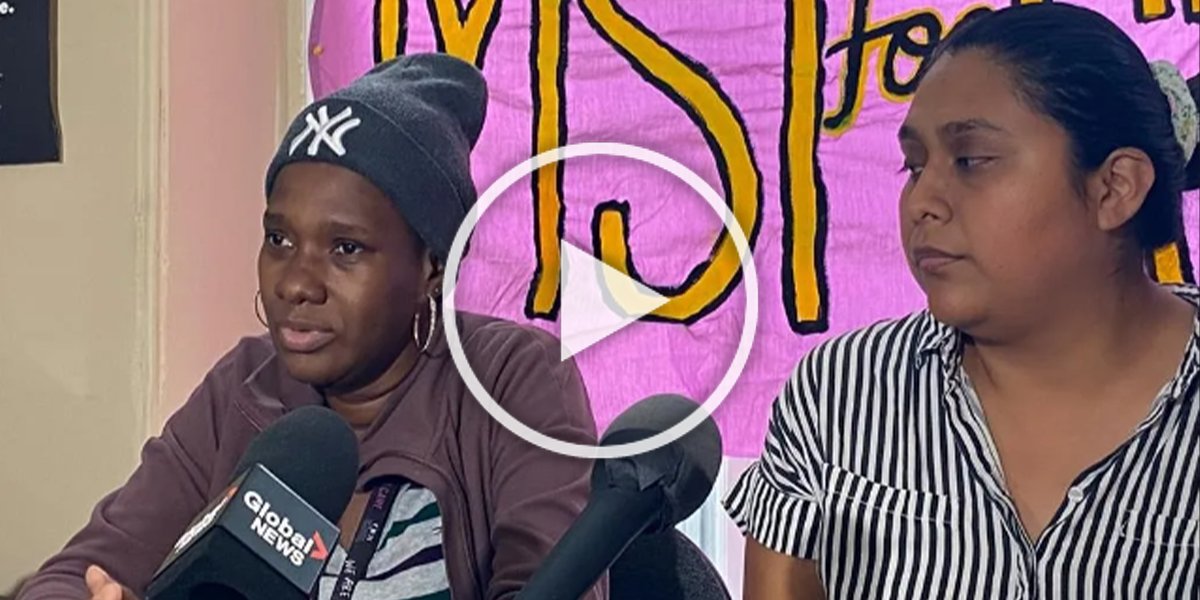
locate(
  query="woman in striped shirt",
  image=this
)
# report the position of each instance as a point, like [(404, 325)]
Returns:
[(1036, 432)]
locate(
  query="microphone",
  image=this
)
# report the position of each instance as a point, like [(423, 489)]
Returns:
[(643, 494), (269, 535)]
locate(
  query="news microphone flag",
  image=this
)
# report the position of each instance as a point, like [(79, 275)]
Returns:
[(263, 519)]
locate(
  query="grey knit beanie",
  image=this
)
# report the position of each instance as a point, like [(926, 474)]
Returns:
[(408, 126)]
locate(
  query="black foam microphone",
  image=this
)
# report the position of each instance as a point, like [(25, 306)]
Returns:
[(269, 535), (645, 493)]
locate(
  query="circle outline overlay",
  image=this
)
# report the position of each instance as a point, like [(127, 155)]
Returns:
[(454, 259)]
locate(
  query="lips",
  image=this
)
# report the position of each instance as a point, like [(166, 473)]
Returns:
[(304, 338), (933, 260)]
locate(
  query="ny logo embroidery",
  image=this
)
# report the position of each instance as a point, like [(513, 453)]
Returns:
[(326, 130)]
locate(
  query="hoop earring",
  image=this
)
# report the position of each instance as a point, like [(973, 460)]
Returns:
[(433, 322), (257, 313)]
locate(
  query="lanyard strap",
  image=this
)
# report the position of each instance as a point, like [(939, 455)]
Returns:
[(366, 540)]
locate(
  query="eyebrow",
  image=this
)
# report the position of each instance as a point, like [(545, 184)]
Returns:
[(337, 227), (332, 225), (954, 128), (951, 129)]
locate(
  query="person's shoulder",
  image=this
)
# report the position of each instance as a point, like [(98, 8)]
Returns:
[(208, 411), (225, 380), (241, 361), (879, 352), (876, 357), (505, 355), (1186, 291), (490, 339), (883, 341)]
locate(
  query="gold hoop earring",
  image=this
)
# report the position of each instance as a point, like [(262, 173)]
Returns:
[(433, 322), (257, 313)]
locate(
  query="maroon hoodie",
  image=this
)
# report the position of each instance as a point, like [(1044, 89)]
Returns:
[(504, 501)]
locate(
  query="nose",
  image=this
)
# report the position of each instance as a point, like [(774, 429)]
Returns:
[(302, 280), (927, 199)]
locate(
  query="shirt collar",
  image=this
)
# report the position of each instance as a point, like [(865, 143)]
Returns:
[(1186, 378), (270, 384), (937, 339)]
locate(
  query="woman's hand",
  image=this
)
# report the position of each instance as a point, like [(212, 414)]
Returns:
[(104, 587)]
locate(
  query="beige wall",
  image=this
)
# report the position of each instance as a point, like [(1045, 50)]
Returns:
[(71, 410), (166, 133)]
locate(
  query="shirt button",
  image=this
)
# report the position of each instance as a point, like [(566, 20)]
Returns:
[(1075, 495)]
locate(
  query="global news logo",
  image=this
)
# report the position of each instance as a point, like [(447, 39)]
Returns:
[(278, 532)]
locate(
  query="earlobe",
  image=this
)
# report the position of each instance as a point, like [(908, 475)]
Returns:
[(433, 275), (1121, 185)]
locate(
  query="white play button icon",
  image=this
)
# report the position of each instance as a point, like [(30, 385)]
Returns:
[(597, 301)]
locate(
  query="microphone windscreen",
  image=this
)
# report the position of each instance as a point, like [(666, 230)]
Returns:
[(686, 469), (314, 452)]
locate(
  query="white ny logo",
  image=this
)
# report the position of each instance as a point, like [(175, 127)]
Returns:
[(327, 130)]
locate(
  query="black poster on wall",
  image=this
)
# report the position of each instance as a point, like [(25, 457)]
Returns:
[(29, 130)]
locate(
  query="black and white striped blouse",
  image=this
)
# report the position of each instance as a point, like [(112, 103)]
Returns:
[(878, 465)]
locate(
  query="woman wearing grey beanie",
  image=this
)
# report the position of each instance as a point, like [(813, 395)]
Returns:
[(365, 194)]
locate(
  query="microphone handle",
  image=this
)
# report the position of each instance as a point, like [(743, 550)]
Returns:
[(611, 521)]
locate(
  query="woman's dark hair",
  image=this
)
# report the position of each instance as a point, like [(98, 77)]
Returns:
[(1193, 168), (1075, 66)]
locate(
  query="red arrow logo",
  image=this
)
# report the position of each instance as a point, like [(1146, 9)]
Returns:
[(320, 552)]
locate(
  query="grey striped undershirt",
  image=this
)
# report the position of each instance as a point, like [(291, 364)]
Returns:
[(409, 564)]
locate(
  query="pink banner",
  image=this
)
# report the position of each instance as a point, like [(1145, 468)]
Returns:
[(736, 91)]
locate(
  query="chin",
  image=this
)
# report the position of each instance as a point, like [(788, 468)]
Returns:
[(313, 369), (957, 308)]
